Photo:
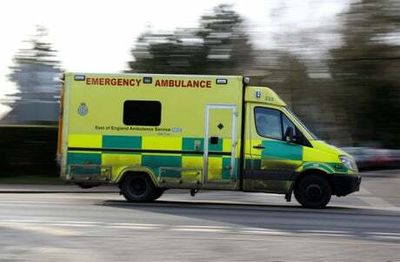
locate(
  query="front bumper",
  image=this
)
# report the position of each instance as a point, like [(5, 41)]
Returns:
[(344, 184)]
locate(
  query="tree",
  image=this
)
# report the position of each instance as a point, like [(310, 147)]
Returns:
[(36, 74), (226, 44), (219, 46), (176, 53), (365, 71)]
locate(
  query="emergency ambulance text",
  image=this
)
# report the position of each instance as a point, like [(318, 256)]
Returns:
[(183, 83), (100, 81)]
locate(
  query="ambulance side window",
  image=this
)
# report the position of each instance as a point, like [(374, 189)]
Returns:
[(142, 113), (297, 135), (272, 123), (287, 123), (268, 122)]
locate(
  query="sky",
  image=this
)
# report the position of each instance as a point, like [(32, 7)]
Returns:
[(97, 35)]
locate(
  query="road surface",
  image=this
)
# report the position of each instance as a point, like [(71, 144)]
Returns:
[(69, 225)]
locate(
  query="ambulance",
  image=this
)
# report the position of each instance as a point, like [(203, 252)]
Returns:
[(148, 133)]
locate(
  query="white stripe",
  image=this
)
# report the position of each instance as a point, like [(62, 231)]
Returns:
[(325, 231), (187, 229), (79, 222), (70, 225), (384, 233), (327, 234), (135, 224), (43, 229), (265, 231), (55, 228), (132, 227), (198, 226), (387, 237)]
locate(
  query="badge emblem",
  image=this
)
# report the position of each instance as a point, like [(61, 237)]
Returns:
[(83, 109)]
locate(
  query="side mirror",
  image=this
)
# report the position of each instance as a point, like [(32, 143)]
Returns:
[(289, 134)]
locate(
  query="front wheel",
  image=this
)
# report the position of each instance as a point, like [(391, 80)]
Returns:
[(313, 191), (138, 188)]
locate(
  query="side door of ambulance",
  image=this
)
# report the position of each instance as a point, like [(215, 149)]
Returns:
[(220, 150), (271, 161)]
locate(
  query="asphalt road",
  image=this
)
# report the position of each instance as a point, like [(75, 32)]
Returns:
[(69, 225)]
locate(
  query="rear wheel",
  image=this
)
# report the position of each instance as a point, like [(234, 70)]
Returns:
[(138, 188), (313, 191)]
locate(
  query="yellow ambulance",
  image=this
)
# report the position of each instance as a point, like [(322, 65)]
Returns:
[(152, 132)]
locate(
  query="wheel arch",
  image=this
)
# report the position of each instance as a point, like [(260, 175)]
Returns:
[(314, 171), (137, 170)]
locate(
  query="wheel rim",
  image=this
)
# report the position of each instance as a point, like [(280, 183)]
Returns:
[(137, 186), (314, 193)]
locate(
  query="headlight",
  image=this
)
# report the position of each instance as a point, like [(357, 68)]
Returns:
[(347, 162)]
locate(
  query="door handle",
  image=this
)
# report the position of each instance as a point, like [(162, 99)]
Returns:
[(259, 147)]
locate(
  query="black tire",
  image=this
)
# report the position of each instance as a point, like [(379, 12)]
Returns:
[(138, 188), (313, 191)]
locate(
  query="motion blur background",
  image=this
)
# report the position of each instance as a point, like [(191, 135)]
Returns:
[(336, 63)]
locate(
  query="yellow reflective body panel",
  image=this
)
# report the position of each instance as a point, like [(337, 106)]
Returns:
[(182, 107), (96, 135)]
